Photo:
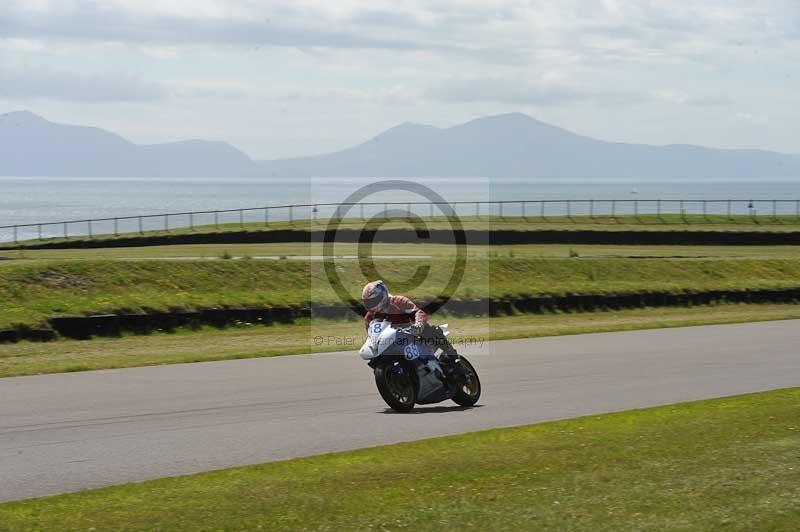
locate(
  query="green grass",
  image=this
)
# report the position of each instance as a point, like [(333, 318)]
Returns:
[(298, 250), (533, 222), (183, 346), (724, 464), (30, 293)]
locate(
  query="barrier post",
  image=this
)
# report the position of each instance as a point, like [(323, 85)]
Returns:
[(591, 209), (15, 234), (116, 226), (141, 229), (191, 221), (89, 225), (40, 231), (241, 218), (66, 234)]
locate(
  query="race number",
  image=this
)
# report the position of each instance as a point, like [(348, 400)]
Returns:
[(411, 351)]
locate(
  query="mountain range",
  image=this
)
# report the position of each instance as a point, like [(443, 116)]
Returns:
[(508, 145)]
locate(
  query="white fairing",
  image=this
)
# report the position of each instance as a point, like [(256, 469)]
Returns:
[(380, 336)]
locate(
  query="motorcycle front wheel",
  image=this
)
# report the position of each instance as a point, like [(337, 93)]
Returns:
[(396, 386), (469, 385)]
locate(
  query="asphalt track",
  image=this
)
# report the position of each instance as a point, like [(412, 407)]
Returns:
[(73, 431)]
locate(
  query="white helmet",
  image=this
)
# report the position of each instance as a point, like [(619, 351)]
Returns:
[(375, 296)]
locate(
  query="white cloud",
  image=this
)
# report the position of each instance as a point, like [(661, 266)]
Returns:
[(33, 83)]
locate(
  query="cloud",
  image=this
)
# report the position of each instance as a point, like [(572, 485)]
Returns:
[(526, 92), (29, 83), (281, 26)]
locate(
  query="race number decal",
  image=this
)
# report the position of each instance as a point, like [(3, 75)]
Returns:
[(411, 351), (377, 327)]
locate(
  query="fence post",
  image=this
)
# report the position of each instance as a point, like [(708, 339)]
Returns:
[(361, 210), (591, 208), (705, 217), (15, 234), (729, 210), (191, 221), (658, 209), (314, 212), (266, 215), (141, 229), (775, 210), (500, 203), (797, 209), (683, 211), (291, 214), (524, 213), (40, 231), (477, 209), (66, 234), (385, 209), (89, 224), (569, 209), (614, 209), (166, 222), (241, 218), (408, 211)]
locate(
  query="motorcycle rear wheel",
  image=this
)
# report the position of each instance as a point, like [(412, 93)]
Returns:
[(396, 386), (469, 385)]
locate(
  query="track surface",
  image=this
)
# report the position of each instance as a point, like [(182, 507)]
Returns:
[(73, 431)]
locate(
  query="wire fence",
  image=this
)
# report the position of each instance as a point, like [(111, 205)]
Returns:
[(651, 211)]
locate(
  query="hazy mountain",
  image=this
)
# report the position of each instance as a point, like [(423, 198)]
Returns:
[(509, 145), (516, 145), (33, 146)]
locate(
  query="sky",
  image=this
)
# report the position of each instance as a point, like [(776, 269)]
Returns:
[(283, 79)]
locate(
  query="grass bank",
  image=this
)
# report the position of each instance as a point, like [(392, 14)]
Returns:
[(183, 346), (30, 293), (725, 464)]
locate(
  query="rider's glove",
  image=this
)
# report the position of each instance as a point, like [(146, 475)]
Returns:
[(416, 329)]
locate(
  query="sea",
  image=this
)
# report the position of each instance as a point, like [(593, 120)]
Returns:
[(38, 200)]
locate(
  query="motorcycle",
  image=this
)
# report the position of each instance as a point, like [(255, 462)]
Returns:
[(407, 371)]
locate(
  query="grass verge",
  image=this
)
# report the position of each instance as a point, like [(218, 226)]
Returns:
[(724, 464), (29, 358), (32, 292), (276, 251)]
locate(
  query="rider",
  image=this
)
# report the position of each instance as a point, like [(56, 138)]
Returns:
[(400, 310)]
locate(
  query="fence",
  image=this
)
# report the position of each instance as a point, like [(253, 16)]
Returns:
[(551, 210)]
